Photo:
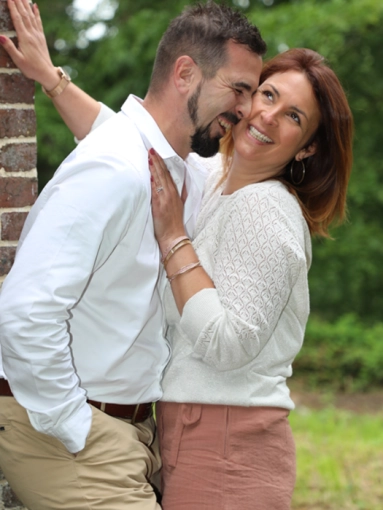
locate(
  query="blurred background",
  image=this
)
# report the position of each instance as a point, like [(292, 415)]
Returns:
[(108, 48)]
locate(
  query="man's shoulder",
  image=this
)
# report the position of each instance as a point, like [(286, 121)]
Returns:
[(118, 132), (117, 145)]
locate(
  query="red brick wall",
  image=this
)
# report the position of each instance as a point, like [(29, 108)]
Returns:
[(18, 176)]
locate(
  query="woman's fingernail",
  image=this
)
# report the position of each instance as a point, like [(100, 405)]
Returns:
[(151, 178), (150, 161), (152, 151), (3, 39)]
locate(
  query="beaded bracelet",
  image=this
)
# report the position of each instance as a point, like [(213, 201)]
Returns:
[(184, 269), (176, 247)]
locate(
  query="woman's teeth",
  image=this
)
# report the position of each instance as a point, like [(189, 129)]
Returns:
[(259, 136)]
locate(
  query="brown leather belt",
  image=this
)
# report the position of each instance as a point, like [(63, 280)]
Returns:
[(5, 390), (136, 413)]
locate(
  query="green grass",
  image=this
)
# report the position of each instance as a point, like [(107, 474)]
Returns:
[(339, 460)]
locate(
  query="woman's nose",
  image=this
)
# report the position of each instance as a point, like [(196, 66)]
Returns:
[(269, 116)]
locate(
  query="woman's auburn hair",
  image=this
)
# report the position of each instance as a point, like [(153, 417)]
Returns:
[(322, 194)]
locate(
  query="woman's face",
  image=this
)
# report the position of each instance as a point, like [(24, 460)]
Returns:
[(283, 118)]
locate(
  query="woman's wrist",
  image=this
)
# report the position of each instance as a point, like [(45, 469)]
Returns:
[(181, 257), (172, 246), (167, 244)]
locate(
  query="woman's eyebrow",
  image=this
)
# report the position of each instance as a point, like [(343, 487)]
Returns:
[(295, 108)]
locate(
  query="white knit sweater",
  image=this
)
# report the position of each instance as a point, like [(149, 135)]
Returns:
[(235, 344)]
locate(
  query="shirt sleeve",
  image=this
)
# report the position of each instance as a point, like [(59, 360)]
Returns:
[(84, 214), (257, 263)]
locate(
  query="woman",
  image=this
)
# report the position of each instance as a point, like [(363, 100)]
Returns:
[(238, 301)]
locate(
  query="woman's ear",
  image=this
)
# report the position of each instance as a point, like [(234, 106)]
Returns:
[(185, 72), (306, 152)]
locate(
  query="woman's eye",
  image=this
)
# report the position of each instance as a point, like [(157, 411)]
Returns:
[(295, 118), (267, 94)]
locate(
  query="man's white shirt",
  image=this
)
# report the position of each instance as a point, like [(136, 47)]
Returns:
[(80, 312)]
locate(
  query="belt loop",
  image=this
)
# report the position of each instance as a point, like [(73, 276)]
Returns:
[(133, 420), (102, 406)]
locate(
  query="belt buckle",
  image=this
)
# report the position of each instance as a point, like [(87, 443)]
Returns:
[(133, 420)]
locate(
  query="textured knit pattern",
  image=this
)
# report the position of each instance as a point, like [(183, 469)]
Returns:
[(235, 344)]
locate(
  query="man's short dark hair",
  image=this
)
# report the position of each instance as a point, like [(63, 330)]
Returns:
[(202, 31)]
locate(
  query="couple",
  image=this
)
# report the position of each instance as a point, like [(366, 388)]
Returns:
[(82, 325)]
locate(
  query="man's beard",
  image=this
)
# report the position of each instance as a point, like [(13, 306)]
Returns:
[(202, 142)]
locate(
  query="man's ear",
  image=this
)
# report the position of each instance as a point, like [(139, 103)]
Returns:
[(306, 152), (185, 73)]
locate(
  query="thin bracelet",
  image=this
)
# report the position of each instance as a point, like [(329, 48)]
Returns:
[(173, 250), (171, 245), (184, 269)]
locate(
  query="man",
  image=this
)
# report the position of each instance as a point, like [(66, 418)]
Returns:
[(80, 312)]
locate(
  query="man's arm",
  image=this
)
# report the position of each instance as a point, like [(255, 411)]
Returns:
[(73, 228), (78, 109)]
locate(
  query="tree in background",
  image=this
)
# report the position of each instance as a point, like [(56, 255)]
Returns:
[(347, 273)]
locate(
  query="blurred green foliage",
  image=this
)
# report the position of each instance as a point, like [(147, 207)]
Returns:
[(343, 355), (347, 272)]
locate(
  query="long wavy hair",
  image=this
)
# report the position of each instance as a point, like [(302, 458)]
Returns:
[(322, 193)]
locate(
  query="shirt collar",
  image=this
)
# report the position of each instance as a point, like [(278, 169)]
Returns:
[(151, 134)]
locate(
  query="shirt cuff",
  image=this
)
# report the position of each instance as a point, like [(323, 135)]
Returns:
[(198, 311), (72, 432)]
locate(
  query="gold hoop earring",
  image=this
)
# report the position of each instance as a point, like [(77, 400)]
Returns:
[(298, 182)]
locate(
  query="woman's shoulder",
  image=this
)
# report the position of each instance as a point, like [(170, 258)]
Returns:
[(270, 202), (213, 167), (271, 192), (211, 164)]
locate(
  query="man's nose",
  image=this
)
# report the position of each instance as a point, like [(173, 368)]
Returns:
[(243, 107)]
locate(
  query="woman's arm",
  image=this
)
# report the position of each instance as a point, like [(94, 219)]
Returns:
[(230, 317), (167, 207), (77, 109)]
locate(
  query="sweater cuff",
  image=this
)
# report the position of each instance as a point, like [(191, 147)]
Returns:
[(198, 311)]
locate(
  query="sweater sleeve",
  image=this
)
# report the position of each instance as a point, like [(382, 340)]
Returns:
[(257, 263), (104, 114)]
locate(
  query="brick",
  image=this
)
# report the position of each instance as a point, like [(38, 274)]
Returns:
[(16, 88), (5, 59), (11, 225), (17, 123), (7, 257), (17, 191), (18, 157), (5, 18)]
